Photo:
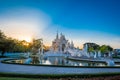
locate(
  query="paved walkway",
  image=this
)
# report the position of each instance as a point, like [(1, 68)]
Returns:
[(52, 70)]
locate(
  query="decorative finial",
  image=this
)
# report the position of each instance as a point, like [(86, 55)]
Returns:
[(57, 36)]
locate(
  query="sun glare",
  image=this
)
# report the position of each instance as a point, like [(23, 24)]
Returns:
[(28, 39)]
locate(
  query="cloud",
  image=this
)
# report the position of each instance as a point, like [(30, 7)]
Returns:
[(23, 22)]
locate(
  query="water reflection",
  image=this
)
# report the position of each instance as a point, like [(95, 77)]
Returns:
[(62, 61), (59, 61)]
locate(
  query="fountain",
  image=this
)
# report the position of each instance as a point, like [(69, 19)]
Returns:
[(99, 54), (85, 51), (40, 53), (62, 52), (37, 51), (28, 61), (95, 55)]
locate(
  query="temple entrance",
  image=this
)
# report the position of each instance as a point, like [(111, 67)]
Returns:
[(63, 47)]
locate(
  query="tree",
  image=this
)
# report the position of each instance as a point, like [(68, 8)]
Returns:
[(2, 35), (106, 49), (91, 49), (96, 47), (12, 45), (110, 48), (6, 45), (35, 47), (21, 46), (36, 44), (2, 41)]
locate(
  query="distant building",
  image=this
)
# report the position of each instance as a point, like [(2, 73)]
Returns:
[(116, 52)]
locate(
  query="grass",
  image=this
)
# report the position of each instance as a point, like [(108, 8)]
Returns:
[(46, 76), (100, 76), (117, 77), (9, 78)]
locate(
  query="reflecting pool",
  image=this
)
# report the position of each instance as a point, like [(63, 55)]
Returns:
[(59, 61)]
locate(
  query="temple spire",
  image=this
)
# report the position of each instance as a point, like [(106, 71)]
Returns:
[(72, 45), (57, 36)]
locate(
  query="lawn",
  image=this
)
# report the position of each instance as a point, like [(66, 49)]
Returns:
[(117, 77), (11, 78)]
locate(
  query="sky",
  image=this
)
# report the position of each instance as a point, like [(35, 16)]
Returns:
[(80, 21)]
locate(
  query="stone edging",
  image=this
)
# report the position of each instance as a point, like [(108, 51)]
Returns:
[(4, 61)]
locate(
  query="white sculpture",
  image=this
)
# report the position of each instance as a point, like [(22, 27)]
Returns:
[(95, 55), (99, 54), (40, 52), (62, 46)]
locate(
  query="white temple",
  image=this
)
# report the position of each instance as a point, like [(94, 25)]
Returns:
[(61, 46)]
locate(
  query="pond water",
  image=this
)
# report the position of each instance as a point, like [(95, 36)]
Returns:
[(59, 61)]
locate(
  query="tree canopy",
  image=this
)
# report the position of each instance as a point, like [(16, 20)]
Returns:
[(12, 45), (92, 47), (105, 48)]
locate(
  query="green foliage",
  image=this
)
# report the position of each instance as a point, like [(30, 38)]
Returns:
[(35, 47), (96, 47), (55, 76), (6, 45), (36, 44), (10, 78), (92, 47), (12, 45), (2, 35), (105, 49), (110, 48), (21, 46)]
